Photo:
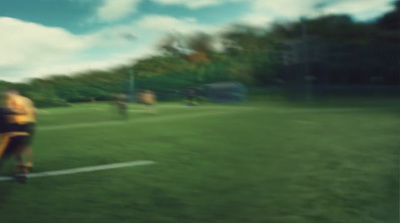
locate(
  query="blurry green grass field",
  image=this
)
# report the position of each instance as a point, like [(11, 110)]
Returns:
[(258, 162)]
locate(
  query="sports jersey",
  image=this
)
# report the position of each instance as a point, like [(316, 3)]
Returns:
[(21, 104)]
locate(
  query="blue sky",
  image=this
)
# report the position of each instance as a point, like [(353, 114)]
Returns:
[(45, 37)]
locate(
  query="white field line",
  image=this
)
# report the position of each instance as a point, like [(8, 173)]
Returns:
[(123, 122), (83, 170)]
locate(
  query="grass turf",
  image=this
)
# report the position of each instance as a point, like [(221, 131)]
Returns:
[(259, 162)]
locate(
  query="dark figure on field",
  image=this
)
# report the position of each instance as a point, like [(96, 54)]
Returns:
[(14, 140), (25, 116), (191, 97), (122, 104)]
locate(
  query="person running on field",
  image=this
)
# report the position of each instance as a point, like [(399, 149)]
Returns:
[(25, 116)]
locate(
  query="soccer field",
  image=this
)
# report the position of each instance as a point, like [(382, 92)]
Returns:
[(257, 162)]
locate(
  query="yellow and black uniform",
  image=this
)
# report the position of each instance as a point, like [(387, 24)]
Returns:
[(25, 116), (148, 98), (13, 136)]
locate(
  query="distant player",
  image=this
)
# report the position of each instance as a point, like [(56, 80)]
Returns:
[(191, 97), (148, 98), (25, 116), (122, 104)]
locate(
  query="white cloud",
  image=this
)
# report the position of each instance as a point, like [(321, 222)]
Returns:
[(195, 4), (33, 50), (266, 11), (114, 36), (30, 43), (256, 19), (171, 24), (112, 10), (360, 9), (284, 8)]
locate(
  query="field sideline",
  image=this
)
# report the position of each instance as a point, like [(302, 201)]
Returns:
[(256, 162)]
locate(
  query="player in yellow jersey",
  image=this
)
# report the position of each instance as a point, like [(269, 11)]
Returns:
[(26, 118), (148, 98), (13, 141)]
